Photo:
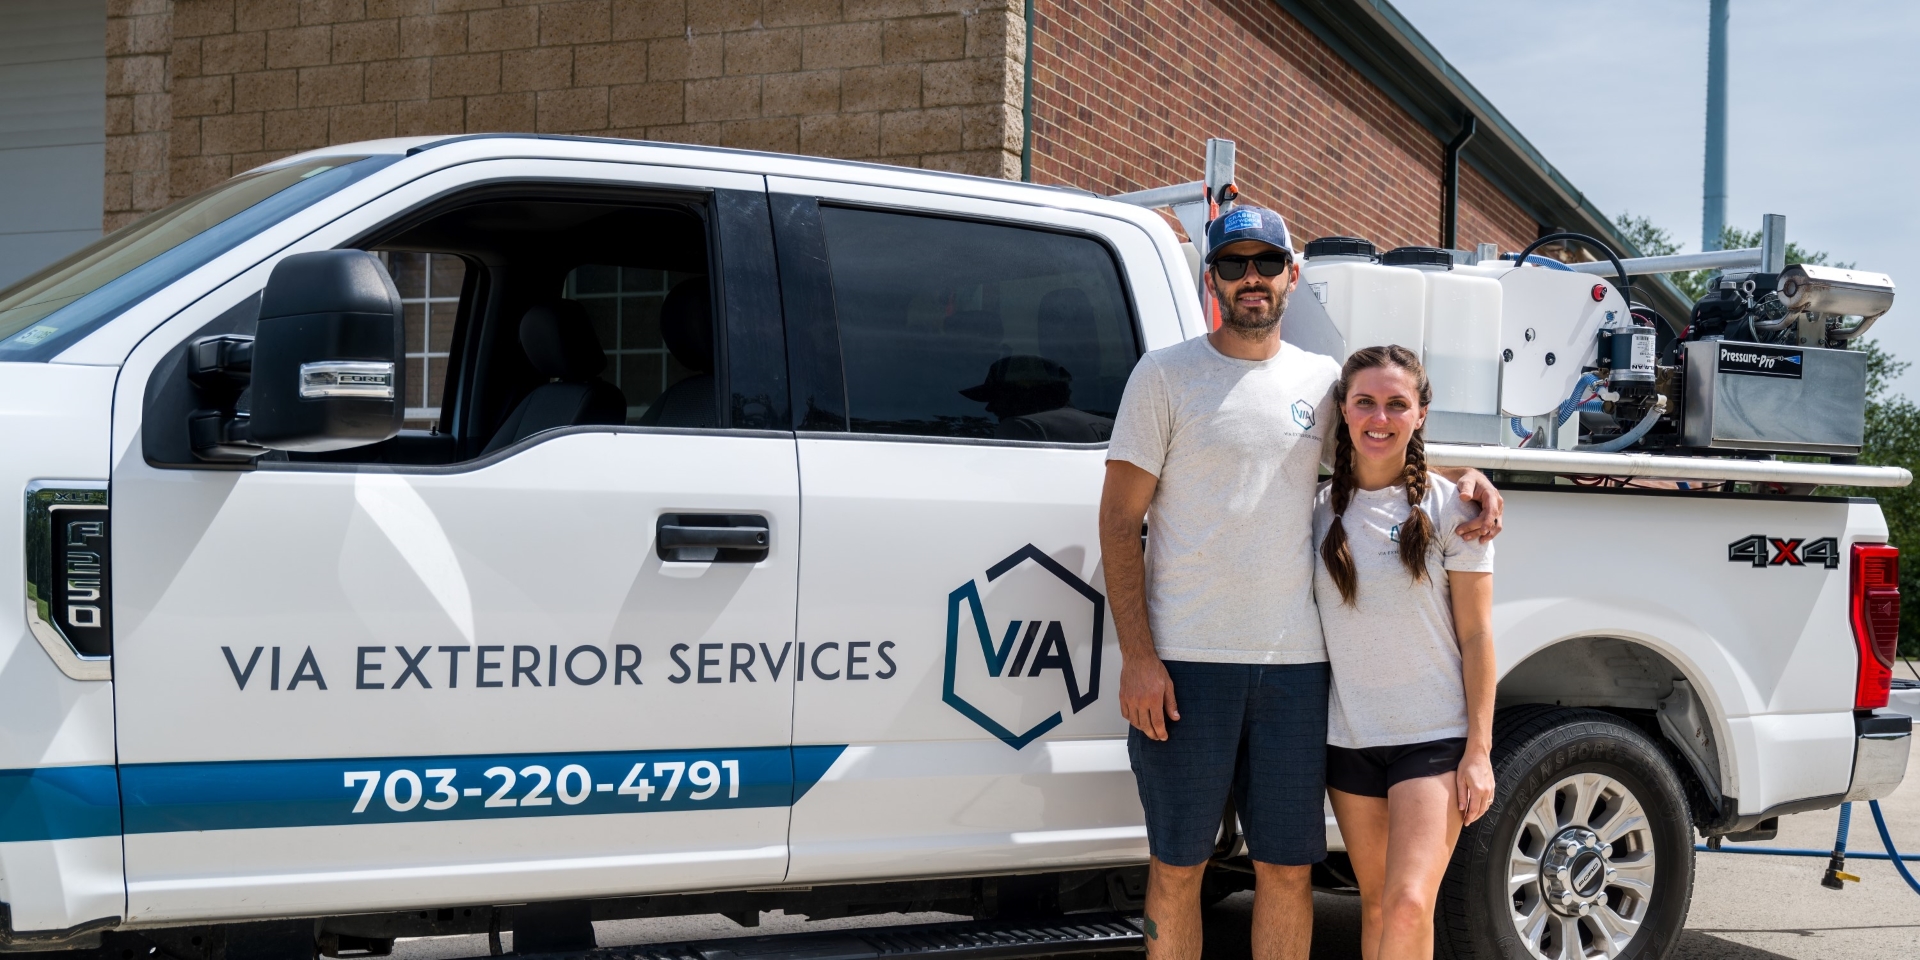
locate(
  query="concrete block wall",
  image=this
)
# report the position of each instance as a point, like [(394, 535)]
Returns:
[(139, 111), (200, 90), (1126, 93)]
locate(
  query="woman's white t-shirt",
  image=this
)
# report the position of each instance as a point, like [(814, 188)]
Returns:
[(1394, 655)]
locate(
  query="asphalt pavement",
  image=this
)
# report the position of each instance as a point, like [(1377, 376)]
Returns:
[(1744, 907)]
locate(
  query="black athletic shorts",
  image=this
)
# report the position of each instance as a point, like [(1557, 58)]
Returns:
[(1370, 771)]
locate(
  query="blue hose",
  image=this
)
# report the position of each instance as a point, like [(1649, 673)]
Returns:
[(1562, 412), (1886, 840), (1801, 852), (1572, 402), (1836, 876), (1837, 856)]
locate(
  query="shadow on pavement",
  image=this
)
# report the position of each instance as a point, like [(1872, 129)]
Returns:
[(1695, 945), (1336, 933), (1336, 927)]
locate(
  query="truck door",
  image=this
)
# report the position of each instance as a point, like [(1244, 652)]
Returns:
[(956, 371), (498, 658)]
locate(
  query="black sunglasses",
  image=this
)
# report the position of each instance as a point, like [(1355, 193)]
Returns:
[(1233, 268)]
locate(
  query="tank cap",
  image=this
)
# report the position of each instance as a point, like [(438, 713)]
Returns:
[(1431, 258), (1341, 247)]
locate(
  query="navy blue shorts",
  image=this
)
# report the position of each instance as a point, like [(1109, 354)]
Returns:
[(1257, 733)]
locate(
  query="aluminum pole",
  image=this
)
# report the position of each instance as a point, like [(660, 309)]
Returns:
[(1713, 207)]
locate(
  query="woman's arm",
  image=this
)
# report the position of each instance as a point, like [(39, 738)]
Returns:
[(1473, 624)]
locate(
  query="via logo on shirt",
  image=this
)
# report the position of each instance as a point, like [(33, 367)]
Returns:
[(1394, 534), (1303, 414)]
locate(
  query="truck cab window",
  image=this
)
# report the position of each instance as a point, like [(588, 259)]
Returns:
[(525, 315), (657, 331), (429, 286), (955, 328)]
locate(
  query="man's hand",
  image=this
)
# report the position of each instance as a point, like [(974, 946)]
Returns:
[(1476, 488), (1146, 695), (1146, 692)]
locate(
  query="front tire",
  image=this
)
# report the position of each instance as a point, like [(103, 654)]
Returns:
[(1587, 851)]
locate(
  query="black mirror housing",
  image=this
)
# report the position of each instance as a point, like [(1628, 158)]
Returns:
[(328, 364)]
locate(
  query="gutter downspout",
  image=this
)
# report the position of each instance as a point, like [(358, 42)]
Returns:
[(1026, 107), (1450, 214)]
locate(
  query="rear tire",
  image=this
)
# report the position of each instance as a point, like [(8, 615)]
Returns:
[(1587, 850)]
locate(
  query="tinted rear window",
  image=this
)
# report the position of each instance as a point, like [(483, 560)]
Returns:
[(955, 328)]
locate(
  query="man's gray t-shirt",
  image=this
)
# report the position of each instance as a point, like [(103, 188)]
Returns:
[(1394, 654), (1236, 445)]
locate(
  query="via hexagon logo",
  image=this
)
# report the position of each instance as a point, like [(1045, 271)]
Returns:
[(1303, 414), (1032, 647)]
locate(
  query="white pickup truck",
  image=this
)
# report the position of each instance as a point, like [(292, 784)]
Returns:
[(441, 535)]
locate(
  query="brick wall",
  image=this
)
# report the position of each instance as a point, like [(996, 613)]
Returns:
[(1127, 91), (199, 90), (139, 111)]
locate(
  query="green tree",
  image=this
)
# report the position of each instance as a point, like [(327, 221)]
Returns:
[(1656, 241), (1893, 440)]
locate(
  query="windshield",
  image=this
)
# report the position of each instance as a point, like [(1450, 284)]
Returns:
[(43, 314)]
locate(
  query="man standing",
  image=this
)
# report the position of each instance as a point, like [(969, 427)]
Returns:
[(1219, 441)]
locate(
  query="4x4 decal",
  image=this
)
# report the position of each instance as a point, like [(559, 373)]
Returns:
[(1027, 647), (1760, 550)]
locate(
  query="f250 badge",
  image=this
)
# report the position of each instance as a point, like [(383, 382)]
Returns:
[(1760, 550), (1047, 620)]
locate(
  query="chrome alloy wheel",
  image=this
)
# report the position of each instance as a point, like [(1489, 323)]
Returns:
[(1581, 871)]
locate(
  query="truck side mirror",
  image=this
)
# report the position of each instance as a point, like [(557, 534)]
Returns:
[(327, 364)]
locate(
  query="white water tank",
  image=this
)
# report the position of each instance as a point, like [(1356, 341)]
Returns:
[(1369, 305), (1462, 346)]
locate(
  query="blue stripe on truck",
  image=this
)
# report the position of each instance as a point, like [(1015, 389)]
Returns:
[(59, 803), (254, 794)]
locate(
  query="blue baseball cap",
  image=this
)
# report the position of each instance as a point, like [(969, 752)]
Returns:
[(1248, 223)]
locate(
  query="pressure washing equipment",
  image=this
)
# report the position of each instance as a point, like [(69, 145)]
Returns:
[(1564, 357)]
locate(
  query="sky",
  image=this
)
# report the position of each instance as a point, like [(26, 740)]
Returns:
[(1823, 116)]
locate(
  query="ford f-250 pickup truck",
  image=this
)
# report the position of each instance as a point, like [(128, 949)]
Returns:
[(429, 536)]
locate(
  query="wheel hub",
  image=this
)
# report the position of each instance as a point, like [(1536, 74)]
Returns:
[(1575, 871), (1581, 869)]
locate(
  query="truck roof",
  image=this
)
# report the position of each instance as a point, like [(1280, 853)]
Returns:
[(487, 146), (723, 158)]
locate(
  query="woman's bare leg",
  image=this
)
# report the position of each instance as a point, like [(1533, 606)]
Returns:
[(1423, 823), (1364, 826)]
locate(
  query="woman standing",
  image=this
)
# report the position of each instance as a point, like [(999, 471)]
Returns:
[(1407, 609)]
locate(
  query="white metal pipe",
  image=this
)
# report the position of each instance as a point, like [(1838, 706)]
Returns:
[(1711, 260), (1576, 463), (1165, 196)]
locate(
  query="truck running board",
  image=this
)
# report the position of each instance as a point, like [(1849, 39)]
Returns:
[(971, 939)]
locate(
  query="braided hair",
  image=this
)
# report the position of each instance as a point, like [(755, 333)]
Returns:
[(1417, 531)]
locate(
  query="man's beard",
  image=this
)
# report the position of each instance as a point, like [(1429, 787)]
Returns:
[(1254, 324)]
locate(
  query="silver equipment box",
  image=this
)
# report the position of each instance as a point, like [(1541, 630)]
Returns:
[(1752, 396)]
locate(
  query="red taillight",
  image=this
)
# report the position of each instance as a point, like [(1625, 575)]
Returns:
[(1599, 292), (1875, 593)]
